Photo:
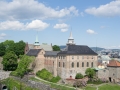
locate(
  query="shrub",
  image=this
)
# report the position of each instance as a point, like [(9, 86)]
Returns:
[(55, 79), (46, 75), (78, 76)]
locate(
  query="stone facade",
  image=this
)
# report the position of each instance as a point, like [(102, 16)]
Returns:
[(114, 74), (74, 59), (70, 67)]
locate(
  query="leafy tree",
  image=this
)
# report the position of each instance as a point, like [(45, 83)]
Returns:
[(56, 48), (9, 45), (2, 49), (19, 48), (90, 72), (78, 76), (9, 61), (23, 65)]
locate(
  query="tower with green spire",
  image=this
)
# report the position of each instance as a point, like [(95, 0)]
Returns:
[(36, 44)]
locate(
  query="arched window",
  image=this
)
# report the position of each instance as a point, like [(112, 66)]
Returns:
[(77, 64), (82, 64), (87, 64), (72, 65), (59, 64), (91, 64)]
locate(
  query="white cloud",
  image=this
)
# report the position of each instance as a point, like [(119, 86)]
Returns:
[(16, 25), (110, 9), (37, 24), (64, 27), (91, 31), (11, 25), (64, 30), (32, 9), (2, 35)]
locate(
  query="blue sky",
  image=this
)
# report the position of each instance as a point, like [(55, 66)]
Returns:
[(92, 22)]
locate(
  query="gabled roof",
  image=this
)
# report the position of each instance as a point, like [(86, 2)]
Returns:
[(51, 53), (114, 63), (78, 50), (46, 47), (33, 52)]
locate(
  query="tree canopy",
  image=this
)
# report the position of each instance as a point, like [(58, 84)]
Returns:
[(78, 76), (90, 72), (9, 61), (2, 49), (56, 48), (10, 45), (23, 65)]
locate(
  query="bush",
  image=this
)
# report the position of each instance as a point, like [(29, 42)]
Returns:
[(46, 75), (55, 79), (78, 76)]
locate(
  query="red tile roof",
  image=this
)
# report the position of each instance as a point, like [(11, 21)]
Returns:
[(114, 63)]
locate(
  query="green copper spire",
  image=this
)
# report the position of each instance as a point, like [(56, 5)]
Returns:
[(36, 41)]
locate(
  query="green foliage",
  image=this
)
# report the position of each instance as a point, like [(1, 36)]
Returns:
[(78, 76), (95, 82), (90, 72), (56, 48), (44, 74), (55, 79), (23, 65), (2, 49), (19, 48), (9, 61), (12, 84), (9, 45)]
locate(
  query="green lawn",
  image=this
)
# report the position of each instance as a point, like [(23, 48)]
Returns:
[(109, 87), (90, 88)]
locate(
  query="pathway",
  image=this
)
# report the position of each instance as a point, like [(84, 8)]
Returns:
[(55, 83)]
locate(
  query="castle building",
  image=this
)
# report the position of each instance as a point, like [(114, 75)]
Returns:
[(66, 63)]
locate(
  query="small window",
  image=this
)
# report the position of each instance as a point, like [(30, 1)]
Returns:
[(72, 64), (87, 64), (59, 57), (91, 64), (59, 64), (77, 64), (87, 57), (82, 64), (72, 57), (77, 57), (82, 57), (63, 64), (92, 57)]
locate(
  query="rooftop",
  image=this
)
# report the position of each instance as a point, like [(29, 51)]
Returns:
[(114, 63), (33, 52), (78, 49)]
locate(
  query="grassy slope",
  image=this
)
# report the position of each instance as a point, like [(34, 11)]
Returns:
[(12, 83), (109, 87)]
